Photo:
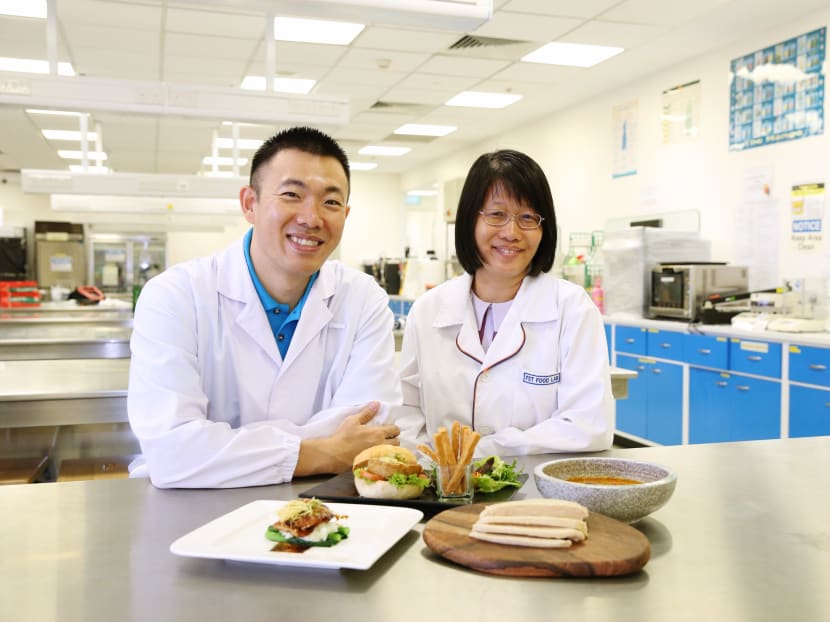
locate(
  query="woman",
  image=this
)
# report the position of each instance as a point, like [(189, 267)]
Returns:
[(506, 348)]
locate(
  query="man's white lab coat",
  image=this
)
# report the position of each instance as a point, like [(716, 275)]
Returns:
[(210, 398)]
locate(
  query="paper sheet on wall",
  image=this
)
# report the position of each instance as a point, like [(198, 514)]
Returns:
[(624, 128), (680, 117), (807, 217), (757, 231)]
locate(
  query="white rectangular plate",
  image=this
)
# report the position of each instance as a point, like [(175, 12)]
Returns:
[(240, 536)]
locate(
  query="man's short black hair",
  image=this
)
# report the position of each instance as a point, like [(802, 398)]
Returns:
[(518, 176), (307, 139)]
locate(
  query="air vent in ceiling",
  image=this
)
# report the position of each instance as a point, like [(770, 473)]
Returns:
[(471, 41), (475, 46), (406, 107)]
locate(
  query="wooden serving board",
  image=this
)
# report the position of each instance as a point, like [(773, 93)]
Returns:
[(612, 548)]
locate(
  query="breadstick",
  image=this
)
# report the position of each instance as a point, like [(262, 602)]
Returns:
[(443, 447), (428, 452), (456, 439), (465, 459)]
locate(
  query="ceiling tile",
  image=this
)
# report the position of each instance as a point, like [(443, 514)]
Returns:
[(600, 32), (403, 40), (562, 8), (471, 67), (517, 26), (209, 22)]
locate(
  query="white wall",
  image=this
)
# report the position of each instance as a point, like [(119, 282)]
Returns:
[(575, 149)]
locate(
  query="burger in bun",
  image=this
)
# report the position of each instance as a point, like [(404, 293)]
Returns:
[(388, 472)]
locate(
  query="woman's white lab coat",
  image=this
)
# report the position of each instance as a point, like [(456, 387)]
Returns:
[(543, 385), (210, 398)]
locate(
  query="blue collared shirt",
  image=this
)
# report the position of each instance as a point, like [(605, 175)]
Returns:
[(283, 320)]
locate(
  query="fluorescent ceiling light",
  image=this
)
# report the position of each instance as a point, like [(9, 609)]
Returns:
[(30, 65), (420, 129), (571, 54), (362, 166), (315, 31), (69, 154), (224, 161), (67, 135), (478, 99), (380, 150), (301, 86), (241, 143), (56, 113), (79, 168), (23, 8)]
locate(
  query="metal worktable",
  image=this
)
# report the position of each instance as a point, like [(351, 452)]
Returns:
[(63, 392), (745, 537)]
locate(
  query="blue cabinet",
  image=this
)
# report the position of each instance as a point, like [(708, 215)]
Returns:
[(809, 411), (810, 365), (750, 356), (731, 407), (665, 344), (630, 339), (654, 408), (706, 351)]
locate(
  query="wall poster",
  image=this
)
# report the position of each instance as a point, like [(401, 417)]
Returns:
[(624, 127), (777, 93), (807, 214), (680, 117)]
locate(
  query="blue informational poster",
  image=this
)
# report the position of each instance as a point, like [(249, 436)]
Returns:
[(777, 93)]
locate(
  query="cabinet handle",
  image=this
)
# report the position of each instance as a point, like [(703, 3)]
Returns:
[(722, 383), (630, 340), (753, 358), (665, 345), (656, 370), (818, 367), (705, 351), (641, 367), (742, 387)]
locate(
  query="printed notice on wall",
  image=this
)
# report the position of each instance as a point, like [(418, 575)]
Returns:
[(680, 117), (624, 123), (807, 215), (777, 93), (757, 229)]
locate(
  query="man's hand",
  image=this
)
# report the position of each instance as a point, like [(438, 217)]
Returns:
[(334, 454)]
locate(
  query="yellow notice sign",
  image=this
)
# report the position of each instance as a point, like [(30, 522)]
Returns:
[(755, 346)]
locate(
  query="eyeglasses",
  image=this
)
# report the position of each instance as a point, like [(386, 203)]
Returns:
[(526, 220)]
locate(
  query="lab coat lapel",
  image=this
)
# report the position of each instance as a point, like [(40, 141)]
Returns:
[(236, 287), (457, 311), (534, 302), (315, 315)]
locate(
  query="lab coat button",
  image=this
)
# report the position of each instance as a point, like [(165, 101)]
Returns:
[(484, 430), (483, 377), (280, 337)]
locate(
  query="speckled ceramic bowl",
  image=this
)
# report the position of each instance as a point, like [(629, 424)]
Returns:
[(627, 503)]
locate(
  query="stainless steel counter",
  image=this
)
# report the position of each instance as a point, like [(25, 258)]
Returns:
[(745, 537), (63, 392), (50, 341)]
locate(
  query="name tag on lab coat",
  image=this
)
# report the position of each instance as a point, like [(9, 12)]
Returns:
[(540, 380)]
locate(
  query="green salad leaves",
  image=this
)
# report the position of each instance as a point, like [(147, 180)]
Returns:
[(333, 538), (492, 473)]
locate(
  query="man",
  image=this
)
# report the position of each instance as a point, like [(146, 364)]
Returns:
[(264, 362)]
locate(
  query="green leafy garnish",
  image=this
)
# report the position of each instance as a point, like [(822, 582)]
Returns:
[(333, 538), (399, 479), (492, 473)]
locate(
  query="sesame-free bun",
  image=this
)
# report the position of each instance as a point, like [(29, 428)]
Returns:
[(383, 451), (385, 490)]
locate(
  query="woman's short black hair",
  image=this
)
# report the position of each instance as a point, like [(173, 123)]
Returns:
[(520, 177), (307, 139)]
